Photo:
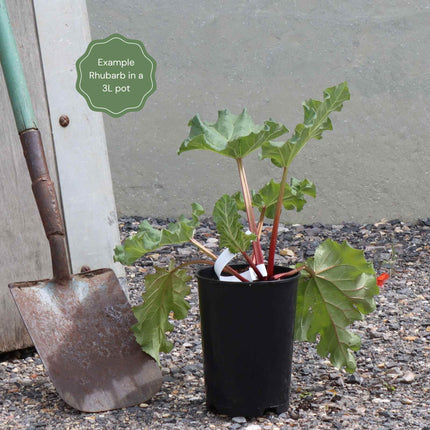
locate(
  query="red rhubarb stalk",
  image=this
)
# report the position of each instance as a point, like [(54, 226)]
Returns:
[(290, 273), (252, 264), (260, 222), (258, 252), (275, 227)]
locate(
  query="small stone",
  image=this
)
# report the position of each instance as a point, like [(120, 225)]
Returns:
[(253, 427), (261, 420), (210, 244), (294, 414), (185, 252), (385, 414), (373, 334), (337, 227), (143, 405), (394, 372), (239, 420), (195, 399), (381, 223), (378, 400), (174, 370), (354, 379), (360, 410), (425, 221), (339, 381), (408, 377), (286, 252), (326, 418)]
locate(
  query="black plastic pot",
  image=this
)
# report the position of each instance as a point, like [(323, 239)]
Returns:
[(247, 337)]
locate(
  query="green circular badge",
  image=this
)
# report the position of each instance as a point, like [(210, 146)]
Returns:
[(116, 75)]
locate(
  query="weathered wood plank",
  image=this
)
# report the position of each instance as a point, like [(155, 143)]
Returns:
[(81, 152), (24, 250)]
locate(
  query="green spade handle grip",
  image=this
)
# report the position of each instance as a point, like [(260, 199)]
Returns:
[(14, 75)]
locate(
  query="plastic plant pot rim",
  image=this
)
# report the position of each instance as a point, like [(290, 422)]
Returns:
[(211, 275)]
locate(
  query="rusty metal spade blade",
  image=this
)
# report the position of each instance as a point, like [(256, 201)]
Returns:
[(80, 324), (81, 330)]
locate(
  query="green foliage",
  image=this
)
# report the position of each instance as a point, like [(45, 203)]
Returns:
[(337, 285), (148, 238), (267, 197), (229, 227), (338, 291), (316, 120), (231, 135), (165, 292), (294, 196)]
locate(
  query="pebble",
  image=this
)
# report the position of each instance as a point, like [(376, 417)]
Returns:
[(239, 420), (354, 379), (378, 401), (408, 377), (389, 390)]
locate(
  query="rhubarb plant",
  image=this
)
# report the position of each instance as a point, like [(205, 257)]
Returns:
[(336, 286)]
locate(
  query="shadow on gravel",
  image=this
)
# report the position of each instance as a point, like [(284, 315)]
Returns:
[(21, 354)]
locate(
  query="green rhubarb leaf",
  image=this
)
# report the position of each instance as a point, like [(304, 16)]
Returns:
[(339, 292), (316, 120), (238, 198), (227, 219), (303, 187), (294, 196), (148, 238), (165, 292), (232, 135)]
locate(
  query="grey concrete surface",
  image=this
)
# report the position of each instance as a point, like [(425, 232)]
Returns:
[(269, 56)]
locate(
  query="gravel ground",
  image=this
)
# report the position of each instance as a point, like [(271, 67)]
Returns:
[(390, 389)]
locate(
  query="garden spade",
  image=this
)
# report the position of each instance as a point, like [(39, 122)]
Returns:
[(80, 324)]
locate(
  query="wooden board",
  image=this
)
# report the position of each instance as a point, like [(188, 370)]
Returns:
[(24, 250), (81, 152)]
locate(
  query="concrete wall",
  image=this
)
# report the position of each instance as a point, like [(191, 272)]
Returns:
[(270, 56)]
